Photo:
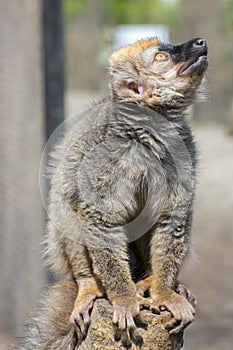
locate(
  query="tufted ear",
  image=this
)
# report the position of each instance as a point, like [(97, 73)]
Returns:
[(124, 80)]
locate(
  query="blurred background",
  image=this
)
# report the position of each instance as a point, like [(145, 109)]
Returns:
[(53, 62)]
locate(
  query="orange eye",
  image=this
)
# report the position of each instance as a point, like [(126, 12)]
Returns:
[(161, 56)]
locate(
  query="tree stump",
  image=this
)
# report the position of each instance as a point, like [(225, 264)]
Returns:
[(101, 337), (49, 326)]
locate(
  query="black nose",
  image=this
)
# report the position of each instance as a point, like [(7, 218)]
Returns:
[(200, 43)]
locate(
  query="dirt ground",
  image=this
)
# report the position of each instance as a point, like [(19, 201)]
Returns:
[(210, 277)]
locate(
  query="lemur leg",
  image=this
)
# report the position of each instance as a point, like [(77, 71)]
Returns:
[(88, 291), (79, 263), (169, 247), (112, 268)]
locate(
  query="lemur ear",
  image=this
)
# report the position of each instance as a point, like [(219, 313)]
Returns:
[(136, 87), (125, 83)]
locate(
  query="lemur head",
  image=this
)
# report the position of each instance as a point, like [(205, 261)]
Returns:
[(152, 73)]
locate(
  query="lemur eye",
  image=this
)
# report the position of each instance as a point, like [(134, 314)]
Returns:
[(161, 56)]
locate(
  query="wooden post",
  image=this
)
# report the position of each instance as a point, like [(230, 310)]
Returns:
[(53, 63), (52, 23)]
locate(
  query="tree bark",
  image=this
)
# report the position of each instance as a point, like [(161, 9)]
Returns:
[(101, 337)]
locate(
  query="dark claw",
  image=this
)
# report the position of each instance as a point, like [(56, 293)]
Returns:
[(140, 323), (135, 337), (117, 333), (81, 329), (172, 325), (125, 339), (155, 310)]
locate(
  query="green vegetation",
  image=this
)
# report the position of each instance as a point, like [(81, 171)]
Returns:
[(129, 11), (143, 11), (229, 14), (73, 8)]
